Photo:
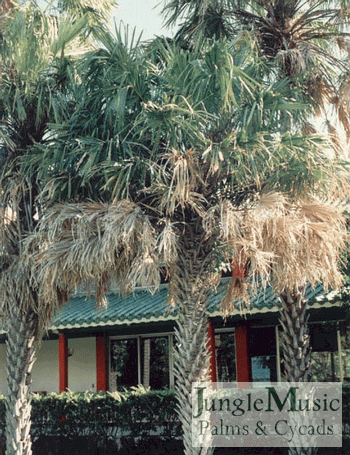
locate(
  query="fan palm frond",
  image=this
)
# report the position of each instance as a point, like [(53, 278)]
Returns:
[(92, 242), (283, 242)]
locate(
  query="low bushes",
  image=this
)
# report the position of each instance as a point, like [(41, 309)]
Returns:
[(135, 414), (128, 418)]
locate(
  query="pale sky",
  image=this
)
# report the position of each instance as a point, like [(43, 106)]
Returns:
[(144, 15)]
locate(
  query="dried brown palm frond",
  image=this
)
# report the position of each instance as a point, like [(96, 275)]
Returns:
[(285, 243), (15, 287), (308, 129), (92, 243), (184, 182), (343, 114), (293, 59), (341, 103), (168, 243), (17, 202), (337, 142), (237, 290), (8, 233)]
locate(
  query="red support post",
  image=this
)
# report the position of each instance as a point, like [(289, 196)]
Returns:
[(101, 363), (238, 270), (241, 334), (212, 352), (63, 362), (242, 354)]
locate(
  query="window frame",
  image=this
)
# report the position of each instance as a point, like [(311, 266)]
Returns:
[(169, 335)]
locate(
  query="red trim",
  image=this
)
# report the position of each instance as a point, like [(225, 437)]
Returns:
[(63, 362), (101, 363), (212, 352), (242, 354), (238, 270)]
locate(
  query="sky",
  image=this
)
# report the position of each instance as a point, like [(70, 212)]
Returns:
[(144, 15)]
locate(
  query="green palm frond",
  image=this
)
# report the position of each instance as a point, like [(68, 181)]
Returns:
[(303, 40)]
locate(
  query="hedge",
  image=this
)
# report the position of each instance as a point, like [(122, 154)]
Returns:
[(133, 415)]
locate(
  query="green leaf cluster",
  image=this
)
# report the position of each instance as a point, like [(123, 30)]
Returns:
[(135, 105), (135, 413)]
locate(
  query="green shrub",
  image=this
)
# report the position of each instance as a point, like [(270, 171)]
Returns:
[(136, 414)]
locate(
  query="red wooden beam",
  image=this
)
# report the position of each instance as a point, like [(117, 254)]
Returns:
[(241, 334), (212, 352), (63, 362), (101, 363), (242, 354), (238, 270)]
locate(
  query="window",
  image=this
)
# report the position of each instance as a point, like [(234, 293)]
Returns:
[(226, 356), (325, 355), (124, 360), (145, 360), (325, 358), (262, 350), (155, 362)]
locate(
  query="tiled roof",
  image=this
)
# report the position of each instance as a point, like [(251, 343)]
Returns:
[(141, 306)]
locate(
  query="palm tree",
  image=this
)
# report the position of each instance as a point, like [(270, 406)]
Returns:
[(306, 41), (183, 154), (34, 90)]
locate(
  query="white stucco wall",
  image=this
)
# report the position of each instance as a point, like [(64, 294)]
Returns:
[(81, 366), (45, 370)]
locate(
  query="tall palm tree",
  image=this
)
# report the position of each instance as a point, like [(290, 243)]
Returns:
[(306, 41), (183, 154), (35, 75)]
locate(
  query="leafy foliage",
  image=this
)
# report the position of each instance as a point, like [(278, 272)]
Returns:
[(306, 41), (135, 413)]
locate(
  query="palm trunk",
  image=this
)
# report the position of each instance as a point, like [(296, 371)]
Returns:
[(191, 358), (22, 328), (191, 364), (295, 343)]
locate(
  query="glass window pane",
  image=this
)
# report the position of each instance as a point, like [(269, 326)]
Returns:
[(262, 341), (323, 337), (264, 368), (124, 371), (262, 349), (155, 362), (324, 354), (325, 366), (226, 356)]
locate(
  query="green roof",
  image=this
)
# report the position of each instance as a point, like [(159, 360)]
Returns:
[(141, 306)]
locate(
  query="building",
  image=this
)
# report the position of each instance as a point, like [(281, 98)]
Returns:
[(131, 342)]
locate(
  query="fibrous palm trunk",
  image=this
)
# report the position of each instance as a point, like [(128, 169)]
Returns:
[(191, 359), (295, 344), (22, 328)]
